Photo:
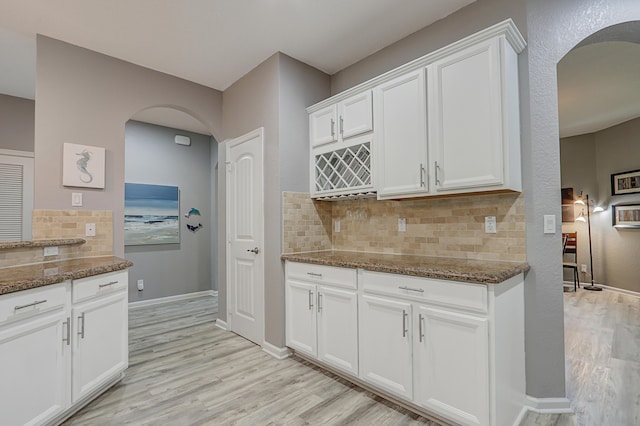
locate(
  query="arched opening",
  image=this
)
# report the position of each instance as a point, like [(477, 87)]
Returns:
[(599, 124), (170, 229)]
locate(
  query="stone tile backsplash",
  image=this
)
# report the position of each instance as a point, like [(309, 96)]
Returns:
[(443, 227), (62, 224)]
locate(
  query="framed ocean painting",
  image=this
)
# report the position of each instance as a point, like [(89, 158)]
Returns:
[(151, 214)]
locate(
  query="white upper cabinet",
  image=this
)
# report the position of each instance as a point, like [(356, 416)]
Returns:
[(473, 119), (445, 123), (342, 120), (322, 126), (401, 117)]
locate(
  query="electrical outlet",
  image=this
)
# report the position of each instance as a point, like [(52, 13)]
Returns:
[(51, 251), (90, 230), (402, 224), (140, 285), (336, 226), (583, 268), (490, 225)]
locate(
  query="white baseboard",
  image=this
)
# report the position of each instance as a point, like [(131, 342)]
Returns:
[(221, 324), (548, 405), (161, 300), (276, 352), (605, 287)]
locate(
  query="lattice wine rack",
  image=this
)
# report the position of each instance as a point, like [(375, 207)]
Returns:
[(344, 168)]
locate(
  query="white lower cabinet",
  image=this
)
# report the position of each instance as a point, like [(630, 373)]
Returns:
[(385, 344), (34, 360), (56, 353), (100, 343), (451, 364), (454, 350), (322, 319)]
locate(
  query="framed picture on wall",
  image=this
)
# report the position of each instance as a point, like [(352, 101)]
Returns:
[(151, 214), (625, 182), (83, 166), (626, 215), (568, 207)]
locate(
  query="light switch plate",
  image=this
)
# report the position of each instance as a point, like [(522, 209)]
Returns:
[(549, 224), (90, 230), (76, 199), (490, 225), (402, 224)]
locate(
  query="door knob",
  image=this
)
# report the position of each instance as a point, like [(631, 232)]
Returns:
[(254, 250)]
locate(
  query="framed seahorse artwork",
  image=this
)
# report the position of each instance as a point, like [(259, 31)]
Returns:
[(83, 166)]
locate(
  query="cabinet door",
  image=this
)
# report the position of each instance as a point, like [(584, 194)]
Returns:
[(301, 317), (356, 115), (451, 362), (34, 358), (401, 115), (465, 118), (100, 347), (323, 126), (338, 328), (385, 344)]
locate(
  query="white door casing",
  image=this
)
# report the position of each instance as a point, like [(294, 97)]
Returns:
[(245, 236)]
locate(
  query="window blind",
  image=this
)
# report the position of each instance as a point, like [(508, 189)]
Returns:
[(11, 196)]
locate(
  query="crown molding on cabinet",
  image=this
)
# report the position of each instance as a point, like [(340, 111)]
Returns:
[(506, 28)]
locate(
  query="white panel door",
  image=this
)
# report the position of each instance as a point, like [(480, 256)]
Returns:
[(301, 317), (100, 342), (401, 132), (245, 234), (356, 115), (323, 126), (338, 328), (466, 118), (452, 365), (34, 369), (385, 344)]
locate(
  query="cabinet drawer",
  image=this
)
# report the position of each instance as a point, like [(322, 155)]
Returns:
[(27, 303), (98, 285), (457, 294), (321, 274)]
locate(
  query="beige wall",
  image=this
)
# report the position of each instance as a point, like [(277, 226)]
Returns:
[(16, 123), (84, 97), (587, 164)]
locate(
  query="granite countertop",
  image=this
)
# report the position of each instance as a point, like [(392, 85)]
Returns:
[(42, 243), (37, 275), (475, 271)]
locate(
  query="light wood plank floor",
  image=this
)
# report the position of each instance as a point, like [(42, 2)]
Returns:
[(185, 371), (602, 347)]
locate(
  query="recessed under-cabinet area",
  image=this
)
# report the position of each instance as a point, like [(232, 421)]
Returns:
[(449, 348), (446, 123)]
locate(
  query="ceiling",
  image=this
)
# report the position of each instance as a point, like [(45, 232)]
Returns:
[(598, 87)]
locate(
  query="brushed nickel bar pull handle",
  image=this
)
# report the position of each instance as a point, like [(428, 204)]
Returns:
[(108, 284), (310, 300), (437, 175), (422, 182), (67, 323), (402, 287), (319, 301), (404, 323), (341, 126), (37, 302), (420, 327), (313, 274), (81, 332), (333, 130)]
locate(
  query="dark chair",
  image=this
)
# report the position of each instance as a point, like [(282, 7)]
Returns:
[(570, 246)]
